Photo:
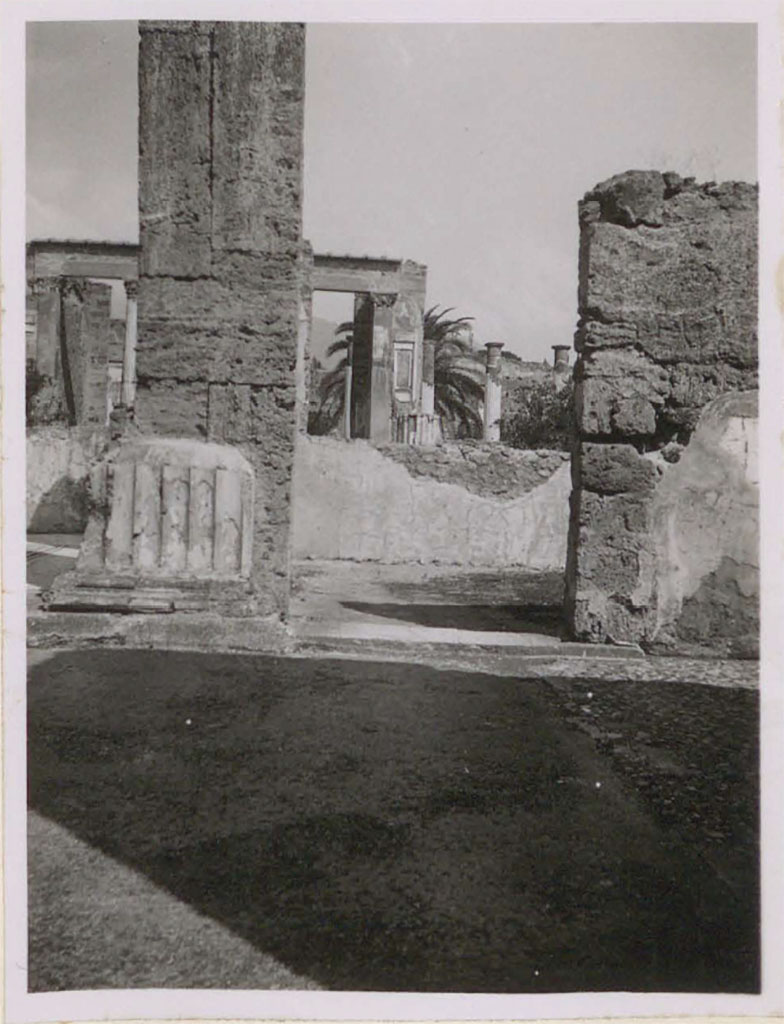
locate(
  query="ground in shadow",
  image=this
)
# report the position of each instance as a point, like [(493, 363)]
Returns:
[(396, 827)]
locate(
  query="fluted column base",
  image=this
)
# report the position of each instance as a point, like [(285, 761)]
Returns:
[(170, 529)]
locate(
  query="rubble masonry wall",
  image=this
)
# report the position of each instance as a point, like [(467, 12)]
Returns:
[(668, 324)]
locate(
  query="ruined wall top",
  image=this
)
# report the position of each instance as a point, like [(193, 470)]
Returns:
[(655, 199), (668, 282)]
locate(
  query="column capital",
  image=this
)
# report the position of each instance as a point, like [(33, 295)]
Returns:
[(44, 285), (131, 288), (493, 355), (73, 287), (383, 300)]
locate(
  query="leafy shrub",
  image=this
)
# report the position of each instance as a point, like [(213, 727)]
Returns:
[(539, 416)]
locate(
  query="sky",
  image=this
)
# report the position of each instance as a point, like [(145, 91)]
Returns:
[(464, 147)]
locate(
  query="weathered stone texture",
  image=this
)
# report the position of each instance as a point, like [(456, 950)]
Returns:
[(483, 469), (257, 124), (668, 315), (175, 142), (171, 521), (220, 290), (87, 325)]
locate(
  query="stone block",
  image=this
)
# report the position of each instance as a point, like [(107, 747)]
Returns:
[(229, 414), (172, 408), (257, 124), (630, 199), (219, 352), (226, 297), (175, 132), (614, 469)]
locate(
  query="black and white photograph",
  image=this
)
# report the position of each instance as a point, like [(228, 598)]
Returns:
[(395, 619)]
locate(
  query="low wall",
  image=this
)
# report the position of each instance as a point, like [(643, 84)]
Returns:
[(466, 504), (58, 461)]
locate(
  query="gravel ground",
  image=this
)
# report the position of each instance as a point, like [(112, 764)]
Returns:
[(385, 826)]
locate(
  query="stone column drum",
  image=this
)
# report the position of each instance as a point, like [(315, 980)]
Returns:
[(129, 350), (492, 424), (172, 525)]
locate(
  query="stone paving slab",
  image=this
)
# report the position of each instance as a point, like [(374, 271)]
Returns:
[(189, 631), (570, 662)]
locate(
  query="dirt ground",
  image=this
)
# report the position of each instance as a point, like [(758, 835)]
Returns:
[(368, 825)]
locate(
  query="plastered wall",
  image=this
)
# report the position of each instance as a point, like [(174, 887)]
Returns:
[(475, 506)]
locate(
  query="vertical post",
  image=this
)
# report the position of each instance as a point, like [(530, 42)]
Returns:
[(129, 352), (428, 377), (492, 424), (347, 389), (561, 365), (47, 339), (381, 383)]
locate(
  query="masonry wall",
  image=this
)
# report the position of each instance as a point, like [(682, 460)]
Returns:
[(467, 504), (58, 467), (220, 172), (668, 314)]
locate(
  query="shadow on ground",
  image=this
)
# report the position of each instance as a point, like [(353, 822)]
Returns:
[(396, 827), (501, 618)]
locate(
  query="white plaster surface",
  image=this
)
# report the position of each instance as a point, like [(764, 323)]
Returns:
[(706, 507), (58, 461), (352, 502)]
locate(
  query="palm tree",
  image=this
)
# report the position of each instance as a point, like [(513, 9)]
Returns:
[(459, 388), (332, 386)]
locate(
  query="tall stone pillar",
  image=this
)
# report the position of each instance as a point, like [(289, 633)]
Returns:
[(129, 351), (196, 515), (492, 420), (371, 397), (220, 201)]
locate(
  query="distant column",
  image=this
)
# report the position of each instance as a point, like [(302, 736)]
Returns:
[(561, 357), (347, 389), (492, 424), (428, 377), (372, 366), (47, 340), (129, 352)]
